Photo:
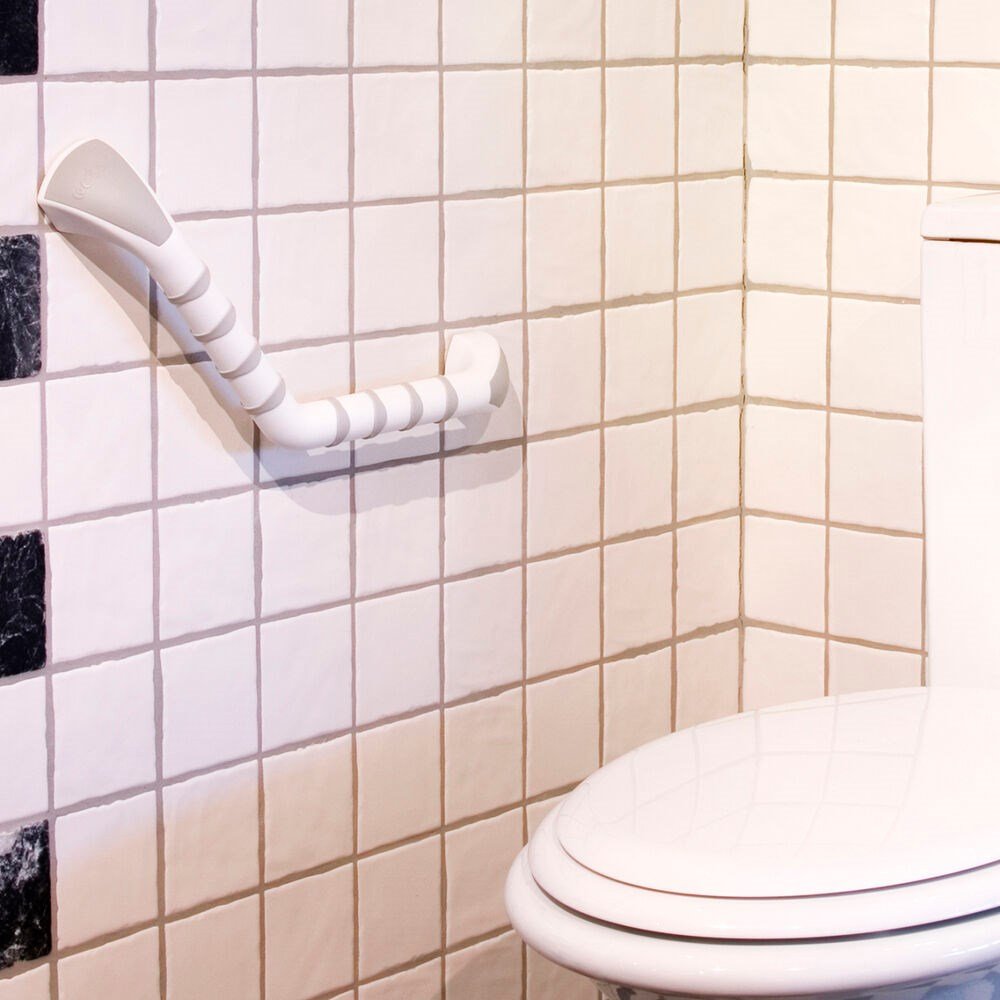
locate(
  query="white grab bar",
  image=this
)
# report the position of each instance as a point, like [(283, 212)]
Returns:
[(91, 190)]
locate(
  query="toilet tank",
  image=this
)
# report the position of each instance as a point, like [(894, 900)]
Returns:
[(960, 301)]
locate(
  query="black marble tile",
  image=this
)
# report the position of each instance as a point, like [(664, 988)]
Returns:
[(25, 895), (22, 603), (20, 306), (18, 37)]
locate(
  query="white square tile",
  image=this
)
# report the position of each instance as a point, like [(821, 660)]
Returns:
[(875, 359), (638, 599), (876, 583), (564, 248), (707, 678), (880, 122), (780, 668), (785, 456), (711, 233), (638, 475), (786, 346), (317, 914), (107, 869), (21, 454), (708, 575), (102, 585), (218, 949), (561, 30), (563, 492), (546, 979), (563, 724), (193, 35), (790, 28), (126, 969), (641, 29), (711, 118), (963, 150), (398, 536), (104, 734), (19, 169), (788, 118), (876, 245), (98, 421), (399, 780), (396, 134), (483, 270), (639, 348), (482, 510), (711, 27), (483, 756), (209, 701), (703, 486), (210, 836), (785, 572), (964, 30), (305, 676), (565, 364), (482, 31), (118, 113), (787, 226), (640, 120), (496, 964), (308, 807), (483, 143), (563, 612), (25, 789), (639, 239), (636, 702), (206, 565), (203, 144), (305, 531), (423, 982), (709, 336), (31, 985), (303, 139), (564, 126), (204, 436), (100, 35), (892, 29), (396, 266), (396, 33), (301, 33), (482, 633), (397, 654), (304, 267), (861, 668), (876, 472)]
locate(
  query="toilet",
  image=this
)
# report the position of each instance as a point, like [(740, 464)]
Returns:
[(847, 846)]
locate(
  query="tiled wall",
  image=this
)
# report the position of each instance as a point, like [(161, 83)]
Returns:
[(274, 725)]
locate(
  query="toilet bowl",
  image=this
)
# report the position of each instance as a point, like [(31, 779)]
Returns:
[(844, 847)]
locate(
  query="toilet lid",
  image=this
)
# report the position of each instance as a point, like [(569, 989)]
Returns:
[(837, 795)]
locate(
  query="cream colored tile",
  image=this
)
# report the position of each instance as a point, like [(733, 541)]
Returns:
[(640, 29), (707, 678), (547, 980), (785, 460), (126, 969), (707, 574), (963, 150), (33, 985), (564, 248), (560, 30), (396, 32), (637, 476), (400, 889), (876, 472), (639, 239), (421, 983), (563, 614), (482, 755), (787, 225), (711, 27), (788, 112), (639, 346), (861, 668), (708, 448), (778, 668), (711, 117), (564, 126), (563, 730), (637, 593), (784, 572), (710, 330), (482, 32), (711, 228), (477, 859), (636, 702), (790, 28), (964, 30), (399, 780), (489, 969), (640, 118), (564, 362), (891, 29), (875, 587)]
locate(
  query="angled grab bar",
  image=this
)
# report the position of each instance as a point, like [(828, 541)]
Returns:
[(91, 190)]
